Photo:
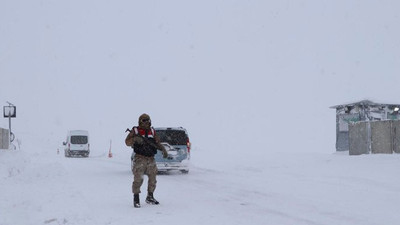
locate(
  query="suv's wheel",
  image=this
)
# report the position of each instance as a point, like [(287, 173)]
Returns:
[(185, 171)]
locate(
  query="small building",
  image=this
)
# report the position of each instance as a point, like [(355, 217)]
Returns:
[(4, 138), (360, 111)]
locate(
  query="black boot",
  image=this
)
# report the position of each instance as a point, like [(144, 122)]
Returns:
[(151, 200), (136, 201)]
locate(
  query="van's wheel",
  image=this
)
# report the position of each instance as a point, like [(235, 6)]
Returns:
[(185, 171)]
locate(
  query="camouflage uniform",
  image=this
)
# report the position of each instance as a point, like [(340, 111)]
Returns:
[(144, 165), (144, 162)]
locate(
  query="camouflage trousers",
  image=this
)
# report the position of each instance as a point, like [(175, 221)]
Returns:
[(144, 165)]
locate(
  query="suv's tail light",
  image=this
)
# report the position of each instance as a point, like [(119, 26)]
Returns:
[(188, 144)]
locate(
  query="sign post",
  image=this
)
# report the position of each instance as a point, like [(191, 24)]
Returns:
[(10, 111)]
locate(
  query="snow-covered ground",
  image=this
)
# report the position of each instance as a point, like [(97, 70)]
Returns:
[(39, 186)]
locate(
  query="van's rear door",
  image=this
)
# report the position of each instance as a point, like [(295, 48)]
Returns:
[(79, 143)]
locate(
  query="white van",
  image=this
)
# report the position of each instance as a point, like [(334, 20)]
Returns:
[(77, 143)]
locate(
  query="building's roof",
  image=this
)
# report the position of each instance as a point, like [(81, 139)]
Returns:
[(362, 103)]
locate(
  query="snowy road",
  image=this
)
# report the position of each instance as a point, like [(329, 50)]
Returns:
[(40, 188), (57, 190)]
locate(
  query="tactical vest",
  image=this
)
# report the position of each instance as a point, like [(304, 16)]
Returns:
[(148, 147)]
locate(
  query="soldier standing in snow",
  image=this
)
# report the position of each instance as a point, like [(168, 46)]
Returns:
[(144, 141)]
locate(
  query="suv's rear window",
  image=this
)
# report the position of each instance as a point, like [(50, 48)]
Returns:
[(80, 140), (172, 137)]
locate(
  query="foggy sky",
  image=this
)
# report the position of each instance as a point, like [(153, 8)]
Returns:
[(236, 74)]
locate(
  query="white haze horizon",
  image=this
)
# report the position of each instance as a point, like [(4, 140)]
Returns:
[(246, 79)]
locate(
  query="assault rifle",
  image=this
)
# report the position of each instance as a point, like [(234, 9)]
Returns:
[(148, 142)]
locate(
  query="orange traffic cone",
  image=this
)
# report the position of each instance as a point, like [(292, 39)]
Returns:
[(109, 151)]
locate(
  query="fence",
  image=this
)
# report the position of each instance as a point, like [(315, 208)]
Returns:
[(374, 137), (4, 138)]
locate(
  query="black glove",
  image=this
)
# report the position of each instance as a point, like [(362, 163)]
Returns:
[(165, 154)]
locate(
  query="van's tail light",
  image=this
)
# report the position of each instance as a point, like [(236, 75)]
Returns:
[(88, 146), (188, 144), (69, 146)]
